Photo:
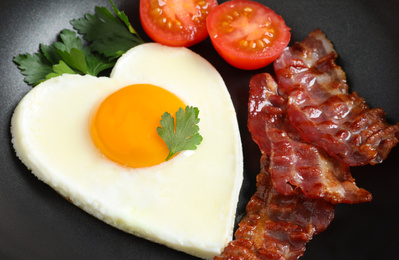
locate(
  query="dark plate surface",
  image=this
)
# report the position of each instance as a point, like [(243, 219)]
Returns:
[(37, 223)]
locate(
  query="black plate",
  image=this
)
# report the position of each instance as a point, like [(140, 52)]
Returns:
[(37, 223)]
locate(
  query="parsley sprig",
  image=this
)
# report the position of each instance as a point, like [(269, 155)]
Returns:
[(108, 36), (185, 135)]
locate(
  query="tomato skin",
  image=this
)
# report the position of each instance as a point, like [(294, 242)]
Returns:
[(234, 49), (192, 28)]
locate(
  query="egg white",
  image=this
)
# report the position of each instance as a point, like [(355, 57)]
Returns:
[(187, 203)]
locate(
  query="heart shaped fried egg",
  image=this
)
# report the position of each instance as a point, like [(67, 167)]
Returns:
[(94, 141)]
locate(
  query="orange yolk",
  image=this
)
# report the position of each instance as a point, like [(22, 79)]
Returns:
[(125, 125)]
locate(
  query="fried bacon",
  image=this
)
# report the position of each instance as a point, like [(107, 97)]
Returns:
[(321, 109), (310, 130), (295, 165), (277, 227)]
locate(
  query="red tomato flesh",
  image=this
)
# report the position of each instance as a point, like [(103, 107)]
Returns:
[(176, 22), (247, 34)]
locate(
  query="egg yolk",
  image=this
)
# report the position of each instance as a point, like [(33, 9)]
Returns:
[(124, 126)]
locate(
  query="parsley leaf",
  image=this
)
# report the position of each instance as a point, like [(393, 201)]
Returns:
[(97, 63), (185, 136), (50, 52), (109, 35), (74, 58), (59, 69), (82, 59), (34, 67)]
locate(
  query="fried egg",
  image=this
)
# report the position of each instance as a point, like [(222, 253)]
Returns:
[(94, 141)]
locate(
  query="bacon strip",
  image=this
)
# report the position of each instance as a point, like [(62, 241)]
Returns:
[(309, 130), (321, 109), (295, 166), (276, 226)]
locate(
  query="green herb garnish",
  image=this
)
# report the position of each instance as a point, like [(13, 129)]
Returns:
[(185, 135), (108, 37)]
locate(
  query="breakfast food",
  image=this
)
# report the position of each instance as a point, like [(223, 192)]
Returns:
[(302, 177), (297, 188), (322, 110), (247, 34), (176, 23), (295, 165), (277, 226), (188, 202)]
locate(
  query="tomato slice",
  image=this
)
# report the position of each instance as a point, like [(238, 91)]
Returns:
[(176, 22), (247, 34)]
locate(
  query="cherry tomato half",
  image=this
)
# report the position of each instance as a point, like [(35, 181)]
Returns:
[(176, 22), (247, 34)]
